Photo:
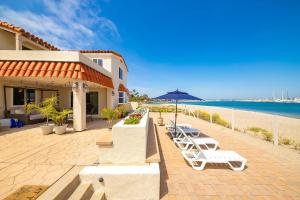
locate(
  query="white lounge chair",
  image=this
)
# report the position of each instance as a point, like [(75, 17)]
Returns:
[(172, 125), (186, 127), (183, 142), (198, 158)]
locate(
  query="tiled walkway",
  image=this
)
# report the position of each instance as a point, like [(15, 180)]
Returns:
[(27, 157), (30, 158), (271, 173)]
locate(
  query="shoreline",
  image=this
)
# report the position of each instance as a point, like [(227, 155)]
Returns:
[(288, 127), (271, 112)]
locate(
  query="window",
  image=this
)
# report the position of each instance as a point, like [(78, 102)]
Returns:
[(121, 97), (98, 61), (30, 96), (120, 73), (18, 96)]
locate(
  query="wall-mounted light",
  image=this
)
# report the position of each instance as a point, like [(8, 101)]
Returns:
[(113, 93), (86, 87), (75, 86)]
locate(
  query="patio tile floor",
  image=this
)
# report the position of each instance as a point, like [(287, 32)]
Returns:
[(29, 158), (271, 173)]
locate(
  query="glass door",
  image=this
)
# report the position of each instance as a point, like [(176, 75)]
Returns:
[(92, 103)]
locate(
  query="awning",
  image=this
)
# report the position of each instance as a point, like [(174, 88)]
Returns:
[(122, 88), (51, 69)]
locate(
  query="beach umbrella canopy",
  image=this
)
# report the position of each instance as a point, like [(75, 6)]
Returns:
[(177, 95)]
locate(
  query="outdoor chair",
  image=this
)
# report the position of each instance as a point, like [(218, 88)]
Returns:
[(183, 142), (186, 127), (198, 158)]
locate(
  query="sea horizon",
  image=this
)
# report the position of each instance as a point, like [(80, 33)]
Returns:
[(286, 109)]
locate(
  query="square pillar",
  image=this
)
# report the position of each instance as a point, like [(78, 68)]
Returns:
[(19, 42), (79, 106), (109, 98)]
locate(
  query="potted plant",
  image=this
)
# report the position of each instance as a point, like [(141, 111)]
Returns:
[(46, 108), (110, 115), (160, 120), (122, 111), (59, 118)]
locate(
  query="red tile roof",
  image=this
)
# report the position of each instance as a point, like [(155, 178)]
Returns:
[(28, 35), (122, 88), (45, 69)]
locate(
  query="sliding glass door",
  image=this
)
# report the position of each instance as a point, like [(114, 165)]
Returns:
[(92, 103)]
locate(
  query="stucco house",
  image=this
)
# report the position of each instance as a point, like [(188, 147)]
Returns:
[(31, 70)]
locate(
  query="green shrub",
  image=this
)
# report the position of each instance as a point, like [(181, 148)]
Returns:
[(297, 146), (268, 136), (285, 141), (132, 120), (257, 129), (217, 119), (122, 111), (110, 115), (202, 115), (163, 109)]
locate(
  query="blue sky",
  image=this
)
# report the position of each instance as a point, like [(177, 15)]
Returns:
[(211, 49)]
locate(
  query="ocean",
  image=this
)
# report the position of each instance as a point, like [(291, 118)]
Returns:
[(284, 109)]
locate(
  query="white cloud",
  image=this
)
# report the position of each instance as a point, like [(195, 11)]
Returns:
[(68, 24)]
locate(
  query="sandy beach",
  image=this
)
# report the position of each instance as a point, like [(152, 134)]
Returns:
[(287, 127)]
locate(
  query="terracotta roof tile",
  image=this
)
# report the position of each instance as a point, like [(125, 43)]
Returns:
[(122, 88), (54, 69), (28, 35)]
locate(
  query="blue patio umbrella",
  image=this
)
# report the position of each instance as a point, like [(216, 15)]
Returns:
[(177, 95)]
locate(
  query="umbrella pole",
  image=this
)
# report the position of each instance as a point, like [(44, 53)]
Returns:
[(176, 119)]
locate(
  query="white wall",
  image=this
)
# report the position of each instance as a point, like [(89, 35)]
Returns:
[(116, 63), (7, 40), (112, 64), (1, 100)]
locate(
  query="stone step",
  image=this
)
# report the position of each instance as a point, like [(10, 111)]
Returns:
[(98, 196), (83, 192), (64, 187)]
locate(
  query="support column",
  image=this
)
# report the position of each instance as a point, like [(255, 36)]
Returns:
[(79, 107), (109, 98), (3, 103), (19, 41)]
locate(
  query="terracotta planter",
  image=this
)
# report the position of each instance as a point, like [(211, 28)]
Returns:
[(46, 130), (60, 129), (160, 121)]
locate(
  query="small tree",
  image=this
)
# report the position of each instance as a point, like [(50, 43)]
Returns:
[(46, 108), (110, 115), (59, 117)]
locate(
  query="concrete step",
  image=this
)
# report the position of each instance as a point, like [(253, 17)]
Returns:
[(98, 196), (83, 192), (64, 187)]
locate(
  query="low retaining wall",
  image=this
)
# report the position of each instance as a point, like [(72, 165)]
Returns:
[(125, 182), (129, 143)]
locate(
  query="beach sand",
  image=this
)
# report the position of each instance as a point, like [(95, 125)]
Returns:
[(287, 127)]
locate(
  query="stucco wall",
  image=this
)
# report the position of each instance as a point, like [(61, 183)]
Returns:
[(64, 98), (1, 100), (112, 64), (115, 64), (106, 59), (32, 46), (7, 40)]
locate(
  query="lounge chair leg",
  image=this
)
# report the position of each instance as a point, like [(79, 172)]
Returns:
[(199, 168), (241, 168)]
